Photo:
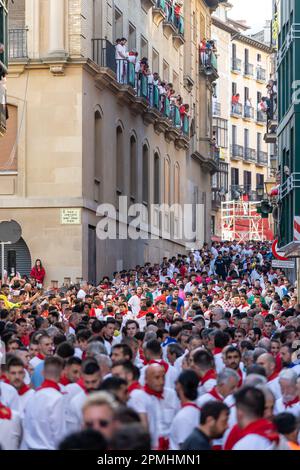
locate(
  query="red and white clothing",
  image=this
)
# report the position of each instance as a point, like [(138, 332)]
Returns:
[(134, 391), (9, 397), (170, 377), (44, 418), (25, 393), (160, 410), (274, 386), (213, 395), (135, 303), (36, 360), (10, 428), (208, 382), (259, 435), (292, 406), (187, 418)]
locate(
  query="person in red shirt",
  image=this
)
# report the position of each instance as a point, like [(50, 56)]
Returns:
[(38, 272)]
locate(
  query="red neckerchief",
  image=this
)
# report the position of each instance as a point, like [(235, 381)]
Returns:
[(81, 384), (190, 403), (278, 363), (3, 378), (217, 350), (142, 313), (64, 380), (41, 356), (161, 363), (241, 377), (134, 386), (210, 374), (261, 427), (83, 355), (24, 389), (273, 376), (49, 384), (163, 443), (149, 391), (214, 393), (5, 412), (288, 404)]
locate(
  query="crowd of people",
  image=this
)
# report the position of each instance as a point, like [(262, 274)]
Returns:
[(199, 352), (142, 69), (206, 49)]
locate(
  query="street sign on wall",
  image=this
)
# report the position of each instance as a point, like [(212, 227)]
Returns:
[(276, 263)]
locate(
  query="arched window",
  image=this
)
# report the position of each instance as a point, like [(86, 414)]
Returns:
[(97, 155), (177, 183), (8, 143), (145, 180), (133, 164), (167, 181), (156, 180), (119, 159)]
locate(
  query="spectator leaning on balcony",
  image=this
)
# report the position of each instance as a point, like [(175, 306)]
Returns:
[(203, 52), (235, 101), (121, 58)]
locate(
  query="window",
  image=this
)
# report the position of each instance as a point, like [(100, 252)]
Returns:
[(235, 177), (131, 37), (166, 72), (258, 57), (213, 225), (155, 61), (175, 81), (259, 96), (233, 51), (145, 174), (144, 47), (246, 138), (119, 159), (133, 163), (156, 181), (8, 148), (234, 88), (234, 135), (118, 25), (259, 140), (202, 26), (260, 183), (247, 181), (220, 129), (246, 56), (246, 93), (167, 181), (177, 184), (97, 155)]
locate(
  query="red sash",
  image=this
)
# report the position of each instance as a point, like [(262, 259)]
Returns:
[(210, 374), (49, 384), (214, 393), (190, 403), (291, 403), (134, 386), (261, 427)]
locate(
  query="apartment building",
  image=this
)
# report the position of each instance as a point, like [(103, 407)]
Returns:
[(239, 122), (83, 131)]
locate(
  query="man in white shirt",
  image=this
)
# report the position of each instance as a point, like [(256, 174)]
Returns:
[(267, 361), (44, 417), (16, 374), (256, 433), (135, 301), (289, 401), (158, 405), (10, 428), (45, 349), (188, 417)]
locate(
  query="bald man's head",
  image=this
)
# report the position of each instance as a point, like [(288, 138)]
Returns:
[(267, 361), (155, 377)]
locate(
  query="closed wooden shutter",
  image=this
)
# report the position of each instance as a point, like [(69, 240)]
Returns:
[(8, 148)]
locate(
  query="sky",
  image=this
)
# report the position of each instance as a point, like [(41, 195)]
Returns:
[(256, 12)]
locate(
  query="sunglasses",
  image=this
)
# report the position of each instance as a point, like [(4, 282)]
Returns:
[(103, 423)]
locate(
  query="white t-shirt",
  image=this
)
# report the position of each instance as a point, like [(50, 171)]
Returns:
[(183, 424)]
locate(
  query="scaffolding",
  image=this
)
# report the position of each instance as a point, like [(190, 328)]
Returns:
[(241, 222)]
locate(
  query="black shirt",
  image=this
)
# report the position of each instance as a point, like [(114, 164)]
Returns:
[(196, 441)]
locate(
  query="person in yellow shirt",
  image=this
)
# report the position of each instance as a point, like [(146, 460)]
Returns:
[(4, 292)]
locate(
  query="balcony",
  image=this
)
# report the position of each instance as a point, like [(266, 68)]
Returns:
[(3, 109), (147, 4), (249, 70), (236, 110), (158, 12), (249, 155), (209, 65), (236, 65), (261, 75), (17, 44), (248, 113), (216, 109), (261, 117), (262, 158), (272, 120), (236, 152), (143, 97), (245, 193)]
